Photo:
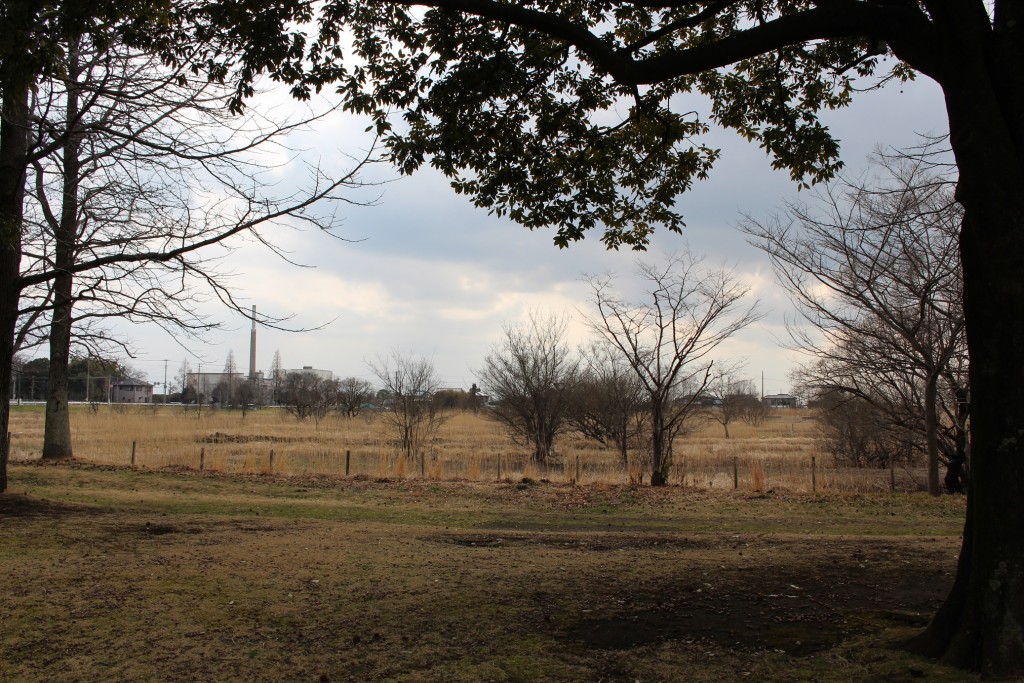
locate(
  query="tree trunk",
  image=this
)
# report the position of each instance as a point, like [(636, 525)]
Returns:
[(659, 473), (957, 468), (542, 444), (57, 429), (57, 426), (931, 431), (622, 440), (13, 153), (980, 624)]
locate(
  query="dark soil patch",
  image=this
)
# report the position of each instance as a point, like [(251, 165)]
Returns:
[(17, 505), (602, 542), (810, 597), (220, 437)]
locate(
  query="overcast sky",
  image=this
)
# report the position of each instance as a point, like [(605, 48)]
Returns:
[(432, 276)]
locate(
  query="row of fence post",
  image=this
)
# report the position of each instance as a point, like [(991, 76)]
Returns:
[(575, 480)]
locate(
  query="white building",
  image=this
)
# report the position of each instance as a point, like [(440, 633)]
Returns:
[(310, 370)]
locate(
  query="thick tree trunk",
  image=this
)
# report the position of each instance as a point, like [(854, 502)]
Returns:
[(980, 625), (57, 429), (13, 152)]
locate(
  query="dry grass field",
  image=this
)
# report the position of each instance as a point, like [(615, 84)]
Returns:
[(170, 574), (774, 456)]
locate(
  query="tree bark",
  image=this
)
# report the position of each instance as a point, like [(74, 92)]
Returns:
[(13, 154), (980, 624), (659, 468), (57, 428)]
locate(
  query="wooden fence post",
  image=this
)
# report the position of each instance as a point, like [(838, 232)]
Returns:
[(348, 460), (814, 474), (735, 472), (892, 475), (202, 458), (270, 467), (423, 466), (499, 466), (133, 454), (578, 477)]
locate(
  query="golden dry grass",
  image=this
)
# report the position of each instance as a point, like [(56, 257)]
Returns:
[(777, 455)]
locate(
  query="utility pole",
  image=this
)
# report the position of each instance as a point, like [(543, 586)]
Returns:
[(165, 381)]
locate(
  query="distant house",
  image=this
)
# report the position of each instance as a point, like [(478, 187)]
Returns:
[(131, 391), (781, 401), (700, 400)]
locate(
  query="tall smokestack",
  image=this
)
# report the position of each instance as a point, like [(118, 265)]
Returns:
[(252, 346)]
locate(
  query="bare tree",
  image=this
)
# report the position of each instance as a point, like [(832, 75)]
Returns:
[(182, 383), (873, 267), (308, 395), (353, 393), (609, 401), (227, 389), (277, 377), (856, 433), (133, 161), (667, 339), (246, 395), (409, 385), (530, 376), (732, 399)]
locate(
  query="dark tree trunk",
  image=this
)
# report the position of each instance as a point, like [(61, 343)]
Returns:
[(931, 431), (979, 626), (57, 429), (13, 153), (622, 441), (659, 468), (957, 465)]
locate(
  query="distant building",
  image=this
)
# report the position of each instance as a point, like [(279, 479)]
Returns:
[(131, 391), (204, 383), (310, 370), (781, 400)]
